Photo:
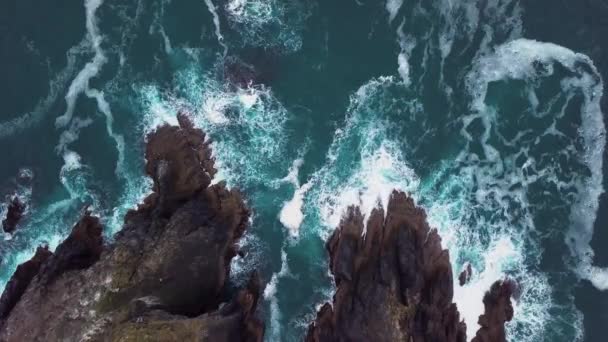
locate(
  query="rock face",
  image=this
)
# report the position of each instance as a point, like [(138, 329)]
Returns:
[(465, 275), (498, 311), (20, 281), (13, 215), (162, 278), (394, 283)]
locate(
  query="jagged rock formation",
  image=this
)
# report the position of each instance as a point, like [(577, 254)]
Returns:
[(162, 278), (498, 311), (15, 211), (394, 283), (20, 280), (465, 275)]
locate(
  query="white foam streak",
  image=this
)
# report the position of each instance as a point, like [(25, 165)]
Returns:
[(91, 69), (393, 6), (81, 85), (104, 107), (270, 292), (407, 44), (291, 215), (57, 84), (216, 22), (404, 68)]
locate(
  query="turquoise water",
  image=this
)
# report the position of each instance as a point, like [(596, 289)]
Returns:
[(473, 107)]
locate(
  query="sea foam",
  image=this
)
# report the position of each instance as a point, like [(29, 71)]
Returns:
[(518, 60)]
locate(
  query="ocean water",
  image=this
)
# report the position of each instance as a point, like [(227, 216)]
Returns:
[(490, 113)]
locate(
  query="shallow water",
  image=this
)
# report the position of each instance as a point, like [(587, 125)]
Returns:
[(488, 112)]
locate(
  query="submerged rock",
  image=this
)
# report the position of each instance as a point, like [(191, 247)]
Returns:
[(394, 282), (260, 68), (15, 212), (162, 278)]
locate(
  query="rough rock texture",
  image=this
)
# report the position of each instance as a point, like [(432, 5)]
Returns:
[(161, 279), (498, 311), (394, 282), (465, 275), (20, 281), (13, 215)]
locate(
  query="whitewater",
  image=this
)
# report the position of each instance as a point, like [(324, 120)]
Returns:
[(499, 136)]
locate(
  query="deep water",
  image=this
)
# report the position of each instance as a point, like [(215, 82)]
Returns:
[(488, 112)]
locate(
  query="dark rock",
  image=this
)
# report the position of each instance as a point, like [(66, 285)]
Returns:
[(20, 280), (394, 283), (498, 311), (15, 212), (179, 162), (80, 250), (465, 275), (235, 321), (163, 277)]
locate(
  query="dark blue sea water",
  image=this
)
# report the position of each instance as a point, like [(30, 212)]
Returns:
[(489, 112)]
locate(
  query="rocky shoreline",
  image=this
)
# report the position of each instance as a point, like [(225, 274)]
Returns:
[(394, 282), (163, 277)]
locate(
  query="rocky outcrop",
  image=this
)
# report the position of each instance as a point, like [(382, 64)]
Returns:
[(465, 275), (20, 281), (14, 213), (498, 311), (162, 278), (394, 282), (80, 250)]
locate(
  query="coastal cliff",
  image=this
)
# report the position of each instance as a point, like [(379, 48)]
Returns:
[(163, 276)]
